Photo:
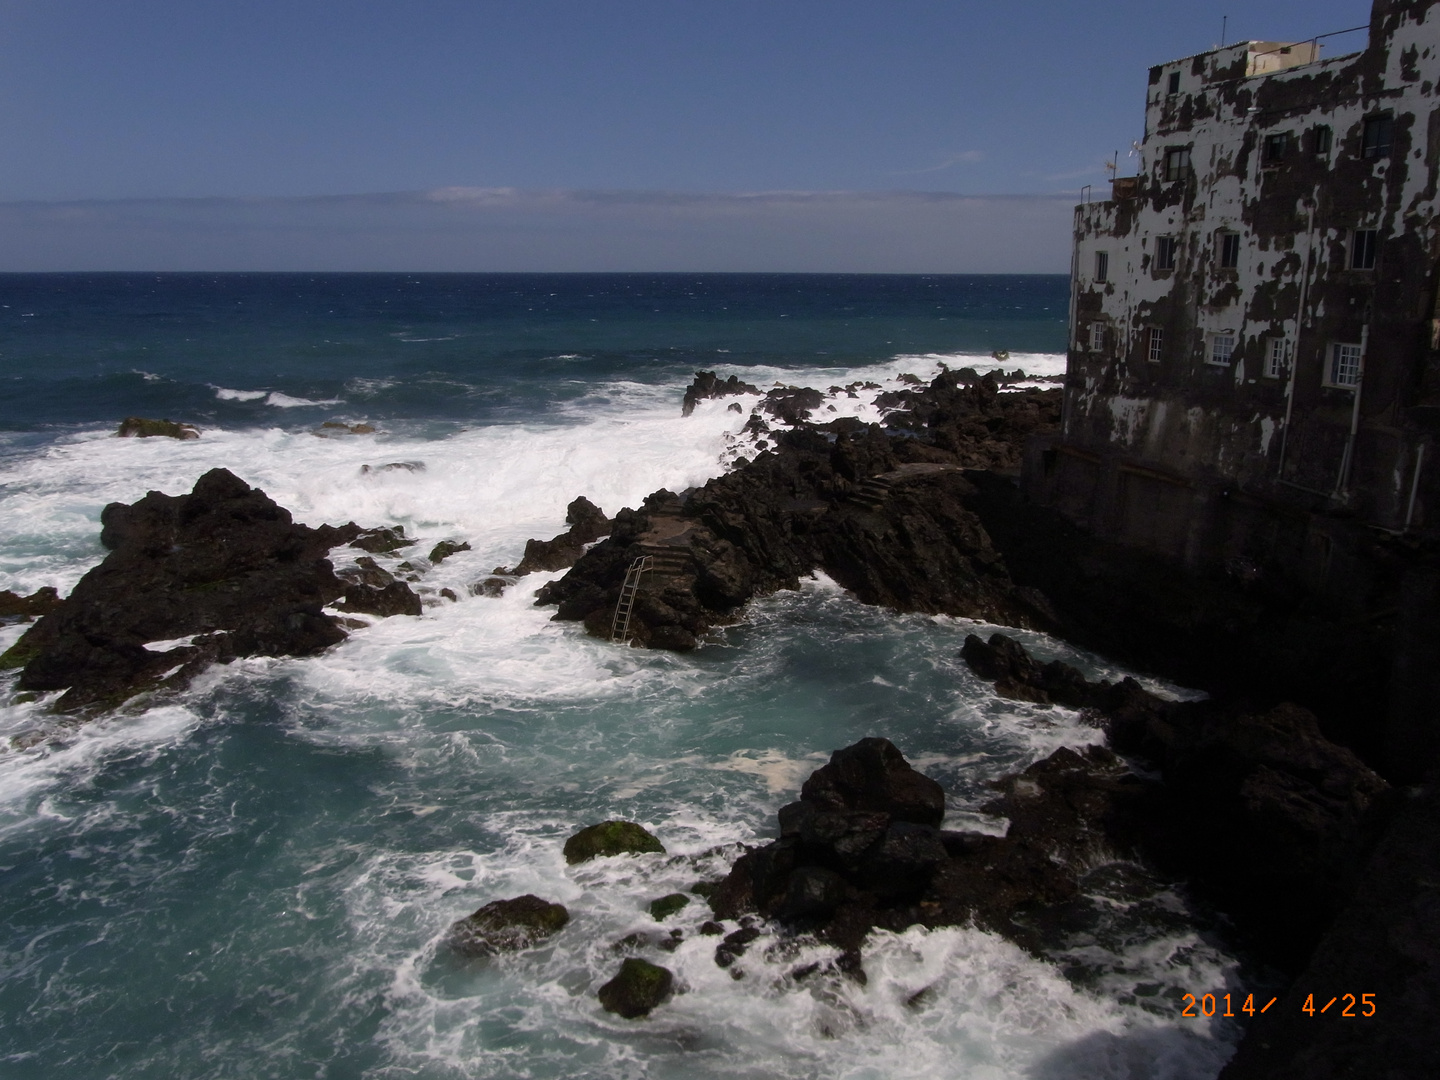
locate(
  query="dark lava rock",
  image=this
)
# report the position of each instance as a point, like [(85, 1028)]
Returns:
[(445, 548), (40, 602), (372, 590), (872, 775), (611, 838), (733, 946), (639, 987), (1258, 809), (792, 404), (383, 540), (223, 564), (507, 926), (1385, 943), (587, 524), (707, 385), (137, 427), (662, 909)]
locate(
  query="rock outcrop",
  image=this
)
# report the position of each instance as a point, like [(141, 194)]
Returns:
[(637, 989), (1257, 808), (611, 838), (191, 579), (138, 427), (14, 607), (708, 385), (507, 926), (885, 516)]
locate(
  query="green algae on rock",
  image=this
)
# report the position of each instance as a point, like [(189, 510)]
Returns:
[(611, 838), (507, 926), (639, 987)]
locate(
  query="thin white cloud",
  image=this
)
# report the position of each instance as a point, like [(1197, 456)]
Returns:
[(508, 229), (965, 157)]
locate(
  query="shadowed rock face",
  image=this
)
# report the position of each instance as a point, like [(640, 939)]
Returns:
[(884, 514), (224, 566)]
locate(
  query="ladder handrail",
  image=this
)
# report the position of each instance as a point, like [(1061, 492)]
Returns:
[(620, 625)]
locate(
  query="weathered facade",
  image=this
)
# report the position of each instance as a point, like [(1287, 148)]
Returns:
[(1254, 364)]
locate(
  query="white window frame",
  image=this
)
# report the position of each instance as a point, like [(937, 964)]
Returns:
[(1161, 243), (1175, 164), (1220, 347), (1342, 365), (1155, 345), (1102, 266), (1276, 350), (1097, 336), (1227, 238)]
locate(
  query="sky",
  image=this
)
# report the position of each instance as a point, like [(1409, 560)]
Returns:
[(898, 136)]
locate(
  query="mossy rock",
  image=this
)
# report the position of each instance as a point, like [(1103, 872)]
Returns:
[(639, 987), (139, 427), (507, 926), (611, 838), (19, 654), (445, 548), (666, 906)]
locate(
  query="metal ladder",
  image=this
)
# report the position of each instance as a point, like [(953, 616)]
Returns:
[(620, 627)]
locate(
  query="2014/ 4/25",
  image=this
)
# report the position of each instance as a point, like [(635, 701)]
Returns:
[(1209, 1004)]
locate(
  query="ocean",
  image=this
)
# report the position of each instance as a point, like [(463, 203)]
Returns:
[(254, 879)]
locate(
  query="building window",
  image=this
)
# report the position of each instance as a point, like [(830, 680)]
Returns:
[(1174, 86), (1165, 247), (1323, 139), (1275, 358), (1102, 265), (1177, 163), (1222, 347), (1379, 134), (1362, 249), (1229, 250), (1275, 149), (1344, 365), (1157, 345), (1097, 336)]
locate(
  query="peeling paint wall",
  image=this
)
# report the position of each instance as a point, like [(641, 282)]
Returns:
[(1255, 311)]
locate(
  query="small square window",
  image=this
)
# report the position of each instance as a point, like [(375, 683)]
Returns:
[(1165, 247), (1229, 250), (1275, 357), (1097, 336), (1378, 137), (1174, 85), (1177, 163), (1344, 365), (1102, 265), (1275, 149), (1222, 348), (1157, 345), (1323, 139), (1362, 249)]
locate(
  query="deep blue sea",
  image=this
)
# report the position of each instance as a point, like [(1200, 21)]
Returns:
[(254, 879)]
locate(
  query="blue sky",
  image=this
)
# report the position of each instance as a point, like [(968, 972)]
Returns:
[(140, 103)]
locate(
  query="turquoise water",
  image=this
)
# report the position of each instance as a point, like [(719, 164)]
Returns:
[(254, 879)]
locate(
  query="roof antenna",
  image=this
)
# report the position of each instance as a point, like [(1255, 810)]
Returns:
[(1224, 28)]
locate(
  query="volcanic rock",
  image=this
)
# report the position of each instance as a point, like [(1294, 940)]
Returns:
[(42, 601), (137, 427), (445, 548), (639, 987), (707, 385), (507, 926), (223, 566), (587, 524), (611, 838)]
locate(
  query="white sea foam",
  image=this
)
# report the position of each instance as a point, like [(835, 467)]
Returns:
[(271, 397)]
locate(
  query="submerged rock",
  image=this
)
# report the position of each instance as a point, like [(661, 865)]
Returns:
[(507, 926), (662, 909), (445, 548), (639, 987), (138, 427), (611, 838)]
